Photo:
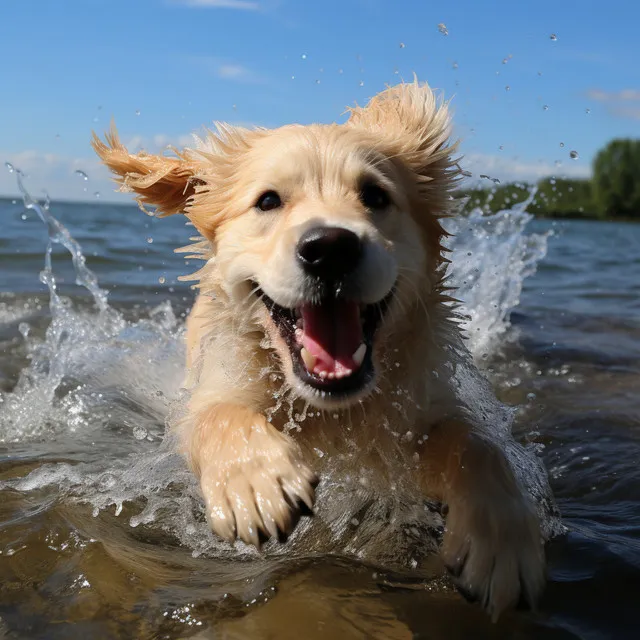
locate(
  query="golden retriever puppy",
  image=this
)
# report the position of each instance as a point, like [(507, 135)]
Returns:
[(323, 283)]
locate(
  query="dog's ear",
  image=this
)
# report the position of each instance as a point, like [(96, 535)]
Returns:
[(414, 127), (163, 182)]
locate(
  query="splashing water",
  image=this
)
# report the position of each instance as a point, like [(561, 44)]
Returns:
[(492, 256), (83, 390)]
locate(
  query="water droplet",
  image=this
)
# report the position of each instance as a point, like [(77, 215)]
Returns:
[(137, 112), (317, 81), (293, 77), (139, 433), (396, 71), (442, 28), (150, 240), (454, 65), (553, 37), (97, 195), (573, 155), (82, 174), (402, 45), (340, 71), (467, 174), (361, 83), (501, 147), (587, 111), (304, 56), (562, 144), (545, 107), (162, 279), (10, 167), (507, 88)]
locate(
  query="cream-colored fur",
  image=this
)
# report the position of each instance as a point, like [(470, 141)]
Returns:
[(254, 475)]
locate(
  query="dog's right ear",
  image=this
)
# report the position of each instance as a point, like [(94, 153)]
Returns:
[(163, 182)]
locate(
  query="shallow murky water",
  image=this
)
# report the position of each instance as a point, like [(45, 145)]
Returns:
[(101, 528)]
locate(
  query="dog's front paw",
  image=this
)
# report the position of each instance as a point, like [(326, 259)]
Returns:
[(494, 549), (255, 487)]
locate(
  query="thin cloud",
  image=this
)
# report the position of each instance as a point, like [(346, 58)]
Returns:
[(241, 5), (226, 70), (620, 104), (506, 169), (625, 95)]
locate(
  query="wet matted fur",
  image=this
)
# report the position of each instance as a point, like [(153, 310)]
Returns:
[(324, 284)]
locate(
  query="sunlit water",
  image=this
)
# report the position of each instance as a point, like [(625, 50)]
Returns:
[(101, 527)]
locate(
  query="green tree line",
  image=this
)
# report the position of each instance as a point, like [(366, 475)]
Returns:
[(613, 191)]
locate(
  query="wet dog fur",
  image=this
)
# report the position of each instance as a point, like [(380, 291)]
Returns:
[(307, 225)]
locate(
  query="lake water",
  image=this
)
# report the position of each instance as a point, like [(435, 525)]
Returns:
[(101, 530)]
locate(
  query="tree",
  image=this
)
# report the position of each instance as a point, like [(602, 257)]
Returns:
[(616, 178)]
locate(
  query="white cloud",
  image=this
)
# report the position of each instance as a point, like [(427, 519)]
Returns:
[(242, 5), (507, 169), (622, 104), (56, 175), (225, 69), (624, 95)]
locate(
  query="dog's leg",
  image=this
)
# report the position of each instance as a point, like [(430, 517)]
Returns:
[(252, 476), (492, 544)]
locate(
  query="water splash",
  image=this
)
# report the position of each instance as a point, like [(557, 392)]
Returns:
[(492, 256)]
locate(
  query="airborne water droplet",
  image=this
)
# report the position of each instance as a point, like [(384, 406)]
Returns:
[(507, 88), (304, 56), (137, 112), (545, 107), (402, 45), (82, 174), (162, 279), (573, 155), (317, 81), (442, 28), (587, 111), (562, 144), (361, 83), (139, 433), (149, 240), (10, 167), (553, 37)]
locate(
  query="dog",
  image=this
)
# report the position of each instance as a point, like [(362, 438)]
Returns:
[(325, 282)]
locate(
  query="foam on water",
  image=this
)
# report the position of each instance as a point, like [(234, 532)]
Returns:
[(104, 385)]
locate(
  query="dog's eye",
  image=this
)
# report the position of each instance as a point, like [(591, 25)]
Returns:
[(374, 197), (268, 201)]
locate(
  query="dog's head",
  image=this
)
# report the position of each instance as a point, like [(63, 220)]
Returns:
[(325, 234)]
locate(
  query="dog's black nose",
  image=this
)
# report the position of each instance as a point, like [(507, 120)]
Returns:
[(329, 252)]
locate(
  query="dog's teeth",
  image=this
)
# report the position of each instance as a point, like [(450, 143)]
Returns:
[(299, 333), (358, 356), (331, 375), (322, 374), (308, 358)]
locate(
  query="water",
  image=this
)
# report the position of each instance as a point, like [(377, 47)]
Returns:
[(101, 527)]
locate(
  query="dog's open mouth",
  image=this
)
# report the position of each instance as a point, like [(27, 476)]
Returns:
[(331, 341)]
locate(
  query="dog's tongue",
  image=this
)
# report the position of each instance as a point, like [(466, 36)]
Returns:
[(332, 333)]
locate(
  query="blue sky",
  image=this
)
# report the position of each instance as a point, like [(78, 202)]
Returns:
[(164, 68)]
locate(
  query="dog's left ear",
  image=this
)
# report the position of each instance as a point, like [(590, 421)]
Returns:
[(165, 183), (414, 127)]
